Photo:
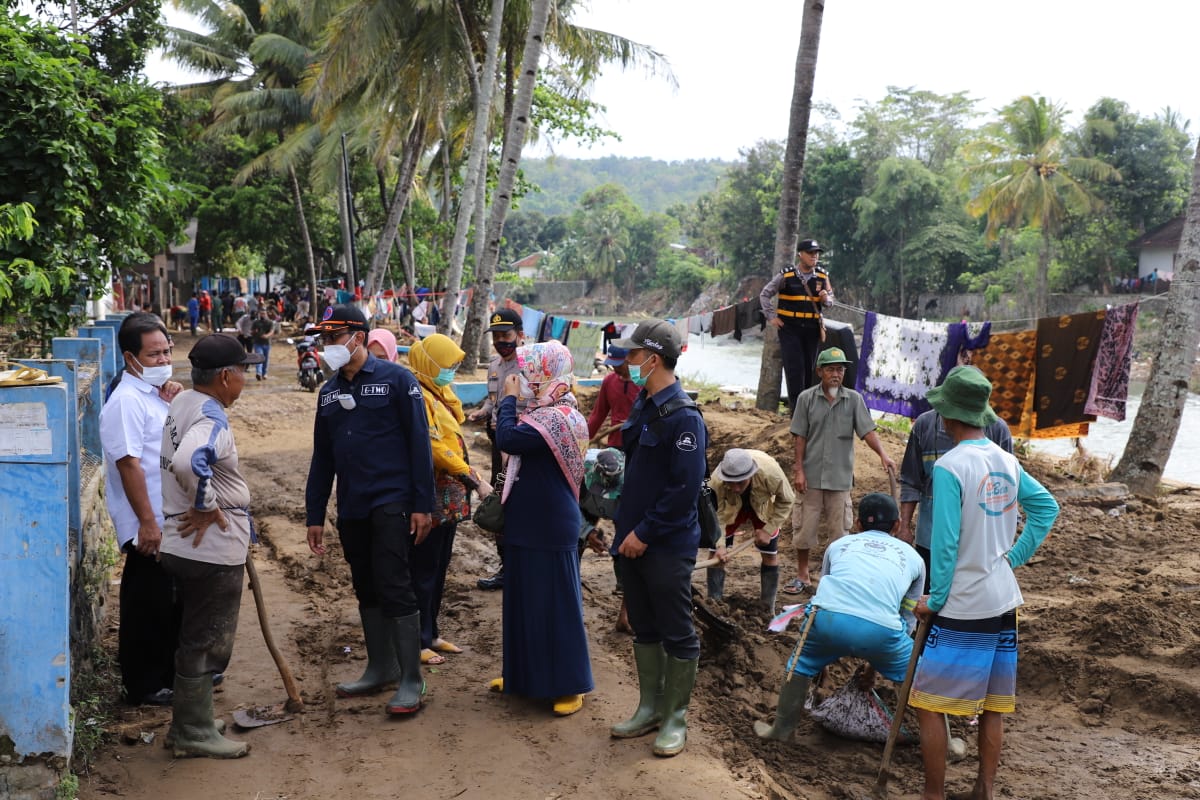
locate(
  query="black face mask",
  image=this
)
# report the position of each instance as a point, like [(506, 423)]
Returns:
[(505, 348)]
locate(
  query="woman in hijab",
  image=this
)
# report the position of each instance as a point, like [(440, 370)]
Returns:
[(545, 642), (434, 361), (381, 343)]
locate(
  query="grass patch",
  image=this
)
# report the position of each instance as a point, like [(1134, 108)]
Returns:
[(95, 693)]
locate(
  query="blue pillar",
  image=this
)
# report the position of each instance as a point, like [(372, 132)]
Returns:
[(66, 371), (35, 659), (110, 354), (86, 354)]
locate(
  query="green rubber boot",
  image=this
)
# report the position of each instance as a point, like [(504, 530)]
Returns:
[(768, 585), (406, 639), (680, 677), (382, 667), (791, 699), (651, 660), (195, 731)]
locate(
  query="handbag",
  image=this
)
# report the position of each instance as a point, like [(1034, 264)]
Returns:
[(489, 514), (706, 510)]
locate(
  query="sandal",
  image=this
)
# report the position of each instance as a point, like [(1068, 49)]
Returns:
[(496, 685), (431, 658), (796, 586), (567, 705), (442, 646)]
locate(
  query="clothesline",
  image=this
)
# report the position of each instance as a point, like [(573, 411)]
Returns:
[(1025, 320)]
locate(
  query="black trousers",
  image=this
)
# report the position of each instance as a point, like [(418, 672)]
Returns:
[(658, 597), (149, 626), (799, 347), (378, 550), (211, 596), (429, 561)]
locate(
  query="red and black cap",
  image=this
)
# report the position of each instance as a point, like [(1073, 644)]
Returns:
[(340, 318)]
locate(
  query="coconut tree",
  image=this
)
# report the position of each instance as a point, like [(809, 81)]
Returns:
[(1157, 423), (1024, 176), (787, 230)]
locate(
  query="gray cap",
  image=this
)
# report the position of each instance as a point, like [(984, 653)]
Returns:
[(737, 465), (656, 335)]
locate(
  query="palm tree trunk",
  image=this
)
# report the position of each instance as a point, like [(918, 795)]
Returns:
[(308, 250), (476, 160), (1157, 423), (1042, 284), (771, 369), (514, 141), (344, 218), (408, 168)]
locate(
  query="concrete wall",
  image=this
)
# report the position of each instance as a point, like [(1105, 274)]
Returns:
[(1161, 259)]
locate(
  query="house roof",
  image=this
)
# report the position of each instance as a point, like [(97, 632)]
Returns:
[(530, 260), (1166, 236)]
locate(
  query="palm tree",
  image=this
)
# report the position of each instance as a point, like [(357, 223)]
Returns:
[(787, 230), (1157, 423), (1031, 180)]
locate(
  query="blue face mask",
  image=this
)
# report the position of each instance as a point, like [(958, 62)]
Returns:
[(635, 374), (445, 376)]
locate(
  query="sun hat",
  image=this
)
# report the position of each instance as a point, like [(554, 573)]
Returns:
[(737, 465), (616, 356), (220, 350), (655, 335), (832, 355), (877, 512), (965, 396)]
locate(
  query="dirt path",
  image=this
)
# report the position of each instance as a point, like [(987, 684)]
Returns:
[(1109, 686)]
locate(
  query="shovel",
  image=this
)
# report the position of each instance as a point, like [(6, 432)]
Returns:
[(881, 781)]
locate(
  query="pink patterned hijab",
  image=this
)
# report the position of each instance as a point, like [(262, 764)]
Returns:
[(552, 412)]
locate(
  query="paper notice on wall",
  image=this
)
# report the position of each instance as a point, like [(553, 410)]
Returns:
[(24, 430)]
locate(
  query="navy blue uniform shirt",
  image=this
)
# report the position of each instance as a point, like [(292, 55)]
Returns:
[(664, 467), (379, 449)]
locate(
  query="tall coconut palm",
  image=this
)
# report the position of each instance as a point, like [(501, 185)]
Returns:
[(1030, 179), (787, 230), (1157, 423)]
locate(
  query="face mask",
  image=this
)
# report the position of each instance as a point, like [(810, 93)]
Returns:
[(635, 373), (505, 349), (337, 355), (445, 376), (155, 376)]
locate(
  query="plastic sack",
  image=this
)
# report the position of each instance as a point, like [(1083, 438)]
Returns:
[(854, 713)]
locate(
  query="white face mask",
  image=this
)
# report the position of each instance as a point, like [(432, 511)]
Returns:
[(337, 355), (155, 376)]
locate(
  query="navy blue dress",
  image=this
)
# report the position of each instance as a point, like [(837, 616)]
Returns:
[(545, 641)]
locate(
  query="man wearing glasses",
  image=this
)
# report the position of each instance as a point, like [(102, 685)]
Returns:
[(825, 421), (371, 433)]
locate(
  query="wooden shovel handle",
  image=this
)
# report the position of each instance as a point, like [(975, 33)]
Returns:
[(901, 706), (294, 703), (712, 562)]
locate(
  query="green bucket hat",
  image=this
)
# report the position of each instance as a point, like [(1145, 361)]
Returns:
[(964, 396), (833, 355)]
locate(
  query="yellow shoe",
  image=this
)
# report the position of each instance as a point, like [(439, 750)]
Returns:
[(431, 658), (567, 705), (496, 685)]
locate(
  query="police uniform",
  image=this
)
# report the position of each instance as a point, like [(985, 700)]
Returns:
[(799, 308)]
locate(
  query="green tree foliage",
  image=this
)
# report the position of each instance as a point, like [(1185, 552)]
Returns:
[(83, 151), (118, 36), (746, 207), (652, 184)]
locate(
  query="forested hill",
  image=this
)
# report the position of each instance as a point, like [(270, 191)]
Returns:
[(651, 184)]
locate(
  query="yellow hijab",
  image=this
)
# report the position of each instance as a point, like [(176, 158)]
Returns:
[(430, 356)]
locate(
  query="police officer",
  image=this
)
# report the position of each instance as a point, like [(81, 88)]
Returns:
[(384, 504), (507, 335), (803, 291)]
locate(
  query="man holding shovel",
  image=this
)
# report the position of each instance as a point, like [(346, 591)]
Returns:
[(862, 608), (969, 665)]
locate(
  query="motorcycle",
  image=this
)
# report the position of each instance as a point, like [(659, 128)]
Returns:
[(308, 364)]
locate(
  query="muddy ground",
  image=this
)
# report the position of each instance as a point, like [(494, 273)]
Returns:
[(1108, 700)]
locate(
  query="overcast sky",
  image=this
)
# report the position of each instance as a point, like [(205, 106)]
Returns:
[(735, 62)]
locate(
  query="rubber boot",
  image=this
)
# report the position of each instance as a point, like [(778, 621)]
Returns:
[(382, 667), (193, 724), (768, 582), (651, 662), (791, 699), (679, 678), (406, 639), (716, 583), (169, 739)]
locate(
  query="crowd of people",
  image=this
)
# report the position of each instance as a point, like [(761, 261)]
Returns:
[(181, 509)]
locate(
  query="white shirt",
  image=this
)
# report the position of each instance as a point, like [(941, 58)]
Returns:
[(131, 424)]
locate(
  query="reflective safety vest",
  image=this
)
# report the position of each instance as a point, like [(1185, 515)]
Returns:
[(795, 305)]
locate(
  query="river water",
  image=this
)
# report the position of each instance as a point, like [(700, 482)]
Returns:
[(730, 363)]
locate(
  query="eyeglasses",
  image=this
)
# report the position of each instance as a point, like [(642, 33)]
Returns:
[(331, 337)]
